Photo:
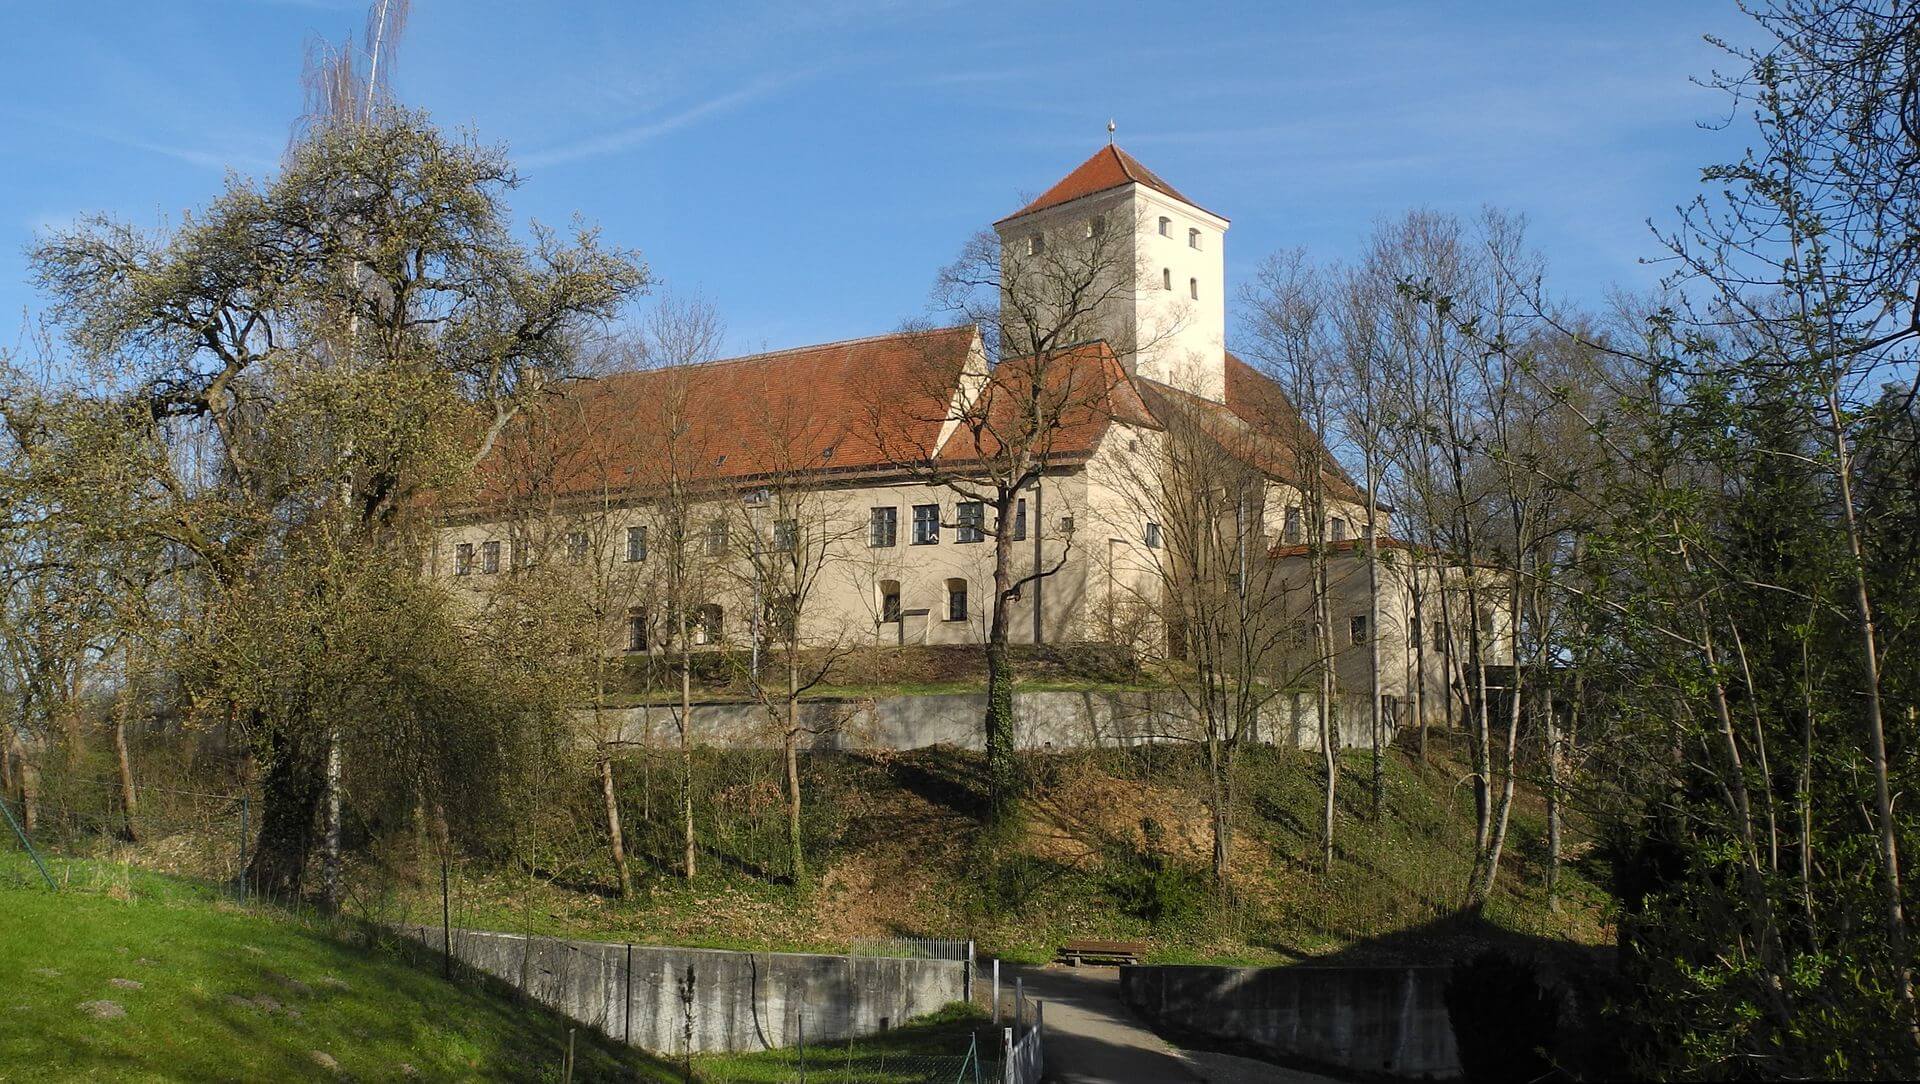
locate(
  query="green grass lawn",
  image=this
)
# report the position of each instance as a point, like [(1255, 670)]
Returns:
[(931, 1048), (123, 974), (129, 976)]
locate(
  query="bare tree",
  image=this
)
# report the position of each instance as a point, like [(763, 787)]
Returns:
[(1040, 384)]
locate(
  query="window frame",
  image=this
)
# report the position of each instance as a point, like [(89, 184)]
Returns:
[(969, 522), (463, 559), (1151, 535), (1166, 279), (1357, 630), (713, 542), (490, 558), (784, 535), (879, 517), (1193, 239), (1020, 519), (636, 543), (926, 516), (1166, 226), (957, 608), (1193, 288), (637, 639)]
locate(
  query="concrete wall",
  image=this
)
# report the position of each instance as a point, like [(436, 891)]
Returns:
[(720, 1000), (1374, 1020), (1058, 720)]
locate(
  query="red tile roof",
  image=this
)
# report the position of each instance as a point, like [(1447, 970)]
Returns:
[(1083, 389), (846, 406), (1109, 168), (1259, 423)]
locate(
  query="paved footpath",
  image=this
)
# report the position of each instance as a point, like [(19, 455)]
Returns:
[(1093, 1039)]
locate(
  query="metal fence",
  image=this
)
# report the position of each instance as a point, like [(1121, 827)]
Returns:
[(913, 948)]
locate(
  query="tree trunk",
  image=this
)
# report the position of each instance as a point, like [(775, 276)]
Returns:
[(291, 795), (1003, 777), (1329, 730), (796, 854), (1889, 845), (129, 798), (689, 864), (330, 881), (615, 837)]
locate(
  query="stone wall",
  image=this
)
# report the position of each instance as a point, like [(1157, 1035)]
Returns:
[(713, 1000), (1373, 1020), (1056, 720)]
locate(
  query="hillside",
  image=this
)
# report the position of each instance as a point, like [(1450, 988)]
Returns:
[(130, 976), (1113, 844)]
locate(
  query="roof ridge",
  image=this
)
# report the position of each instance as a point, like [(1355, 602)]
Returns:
[(767, 355)]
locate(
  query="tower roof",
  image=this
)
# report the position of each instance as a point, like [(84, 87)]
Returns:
[(1109, 168)]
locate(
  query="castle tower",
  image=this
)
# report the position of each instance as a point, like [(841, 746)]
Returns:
[(1163, 308)]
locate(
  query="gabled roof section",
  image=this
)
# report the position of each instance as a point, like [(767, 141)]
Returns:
[(1109, 168), (1259, 424), (851, 406), (1061, 405)]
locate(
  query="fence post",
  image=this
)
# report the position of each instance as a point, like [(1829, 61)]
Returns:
[(1019, 1002), (626, 1029), (1007, 1075), (996, 991), (245, 803), (1040, 1037), (966, 981)]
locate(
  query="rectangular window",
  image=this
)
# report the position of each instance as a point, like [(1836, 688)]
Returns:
[(889, 601), (883, 527), (490, 557), (970, 517), (1193, 289), (1036, 243), (716, 543), (1193, 238), (576, 546), (1097, 226), (636, 543), (1020, 520), (1291, 531), (1153, 536), (1338, 529), (1357, 628), (463, 559), (956, 600), (636, 630), (926, 524), (1166, 226), (786, 535)]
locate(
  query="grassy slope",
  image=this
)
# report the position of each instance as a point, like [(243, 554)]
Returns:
[(903, 855), (226, 993)]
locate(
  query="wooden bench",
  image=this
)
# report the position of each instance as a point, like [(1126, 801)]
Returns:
[(1076, 953)]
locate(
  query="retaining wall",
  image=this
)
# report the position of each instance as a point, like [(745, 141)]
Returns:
[(672, 999), (1375, 1020), (1058, 720)]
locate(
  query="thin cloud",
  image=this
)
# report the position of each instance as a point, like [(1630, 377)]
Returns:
[(634, 136), (219, 160)]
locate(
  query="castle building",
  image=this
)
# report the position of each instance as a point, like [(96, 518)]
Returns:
[(864, 471)]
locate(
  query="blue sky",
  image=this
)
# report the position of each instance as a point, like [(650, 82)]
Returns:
[(808, 167)]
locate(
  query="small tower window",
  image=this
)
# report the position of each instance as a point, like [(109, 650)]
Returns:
[(1153, 536), (1166, 278), (1193, 238), (1036, 243), (1097, 226), (1193, 289), (1166, 226), (1357, 629)]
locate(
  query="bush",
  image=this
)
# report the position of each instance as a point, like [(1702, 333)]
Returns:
[(1148, 886), (1504, 1022)]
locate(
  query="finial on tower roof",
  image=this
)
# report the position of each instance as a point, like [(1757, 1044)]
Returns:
[(1110, 128)]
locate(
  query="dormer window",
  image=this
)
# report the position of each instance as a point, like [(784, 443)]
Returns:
[(1193, 288), (1166, 226), (1166, 278), (1193, 238), (1036, 243)]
